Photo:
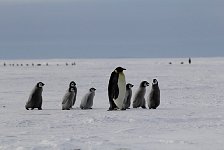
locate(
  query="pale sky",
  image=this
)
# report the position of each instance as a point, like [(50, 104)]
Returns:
[(111, 28)]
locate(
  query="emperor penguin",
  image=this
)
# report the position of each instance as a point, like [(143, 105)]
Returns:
[(128, 95), (154, 96), (87, 100), (68, 98), (117, 89), (139, 98), (35, 98), (73, 84)]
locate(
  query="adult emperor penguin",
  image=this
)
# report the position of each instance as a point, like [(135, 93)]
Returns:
[(73, 84), (117, 89), (139, 98), (87, 100), (35, 98), (154, 96), (68, 98), (128, 95)]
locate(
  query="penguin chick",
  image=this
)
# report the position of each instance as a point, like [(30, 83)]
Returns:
[(68, 98), (139, 98), (87, 100), (154, 96), (73, 84), (128, 95), (35, 98)]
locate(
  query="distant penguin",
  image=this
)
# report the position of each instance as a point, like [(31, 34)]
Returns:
[(68, 98), (139, 98), (117, 89), (189, 60), (35, 99), (128, 95), (73, 84), (87, 100), (154, 96)]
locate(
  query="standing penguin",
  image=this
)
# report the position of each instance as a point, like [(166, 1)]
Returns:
[(128, 95), (35, 98), (73, 84), (87, 100), (139, 98), (117, 89), (154, 96), (68, 98)]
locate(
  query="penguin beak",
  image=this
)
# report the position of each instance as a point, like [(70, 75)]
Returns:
[(124, 69)]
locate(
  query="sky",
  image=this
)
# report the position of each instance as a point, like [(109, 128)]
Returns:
[(111, 28)]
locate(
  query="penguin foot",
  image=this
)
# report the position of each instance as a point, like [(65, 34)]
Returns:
[(32, 108), (112, 109), (27, 108), (123, 108), (143, 107), (40, 108), (128, 108)]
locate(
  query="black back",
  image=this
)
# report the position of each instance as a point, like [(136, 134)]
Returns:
[(113, 90)]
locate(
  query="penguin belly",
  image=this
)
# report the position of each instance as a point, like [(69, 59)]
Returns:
[(122, 91)]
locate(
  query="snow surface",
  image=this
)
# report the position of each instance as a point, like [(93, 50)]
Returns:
[(191, 114)]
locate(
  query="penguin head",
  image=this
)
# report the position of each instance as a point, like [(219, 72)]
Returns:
[(154, 82), (71, 89), (119, 69), (92, 89), (129, 86), (40, 84), (144, 84), (72, 84)]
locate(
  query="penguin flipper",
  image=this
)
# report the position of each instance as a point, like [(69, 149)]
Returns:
[(113, 90), (116, 91)]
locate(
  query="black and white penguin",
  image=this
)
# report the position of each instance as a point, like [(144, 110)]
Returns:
[(68, 98), (73, 84), (35, 98), (87, 100), (139, 98), (128, 95), (117, 89), (154, 96)]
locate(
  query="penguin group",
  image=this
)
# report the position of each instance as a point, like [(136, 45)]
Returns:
[(119, 94), (38, 64)]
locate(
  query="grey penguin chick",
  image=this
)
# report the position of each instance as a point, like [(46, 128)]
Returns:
[(35, 98), (117, 89), (139, 98), (68, 98), (154, 96), (128, 95), (73, 84), (87, 100)]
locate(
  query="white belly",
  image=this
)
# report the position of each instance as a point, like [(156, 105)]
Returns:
[(122, 91)]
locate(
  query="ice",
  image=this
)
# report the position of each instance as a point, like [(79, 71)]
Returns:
[(191, 114)]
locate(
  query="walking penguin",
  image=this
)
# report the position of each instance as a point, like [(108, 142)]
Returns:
[(35, 98)]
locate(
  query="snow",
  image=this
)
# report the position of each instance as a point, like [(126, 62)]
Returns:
[(191, 114)]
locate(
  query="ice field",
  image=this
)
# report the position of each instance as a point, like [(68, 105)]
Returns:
[(191, 114)]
